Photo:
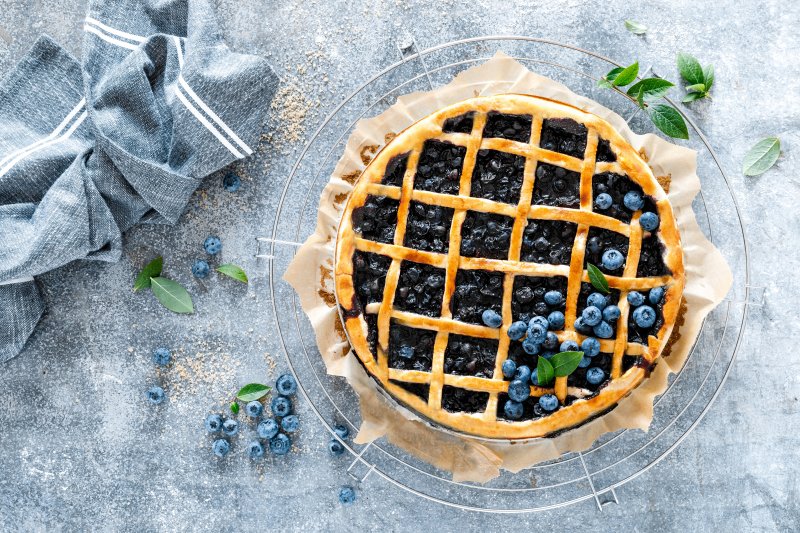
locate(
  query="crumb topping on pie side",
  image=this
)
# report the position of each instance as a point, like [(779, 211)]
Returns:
[(463, 257)]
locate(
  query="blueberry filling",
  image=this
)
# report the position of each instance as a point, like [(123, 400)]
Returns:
[(640, 334), (410, 348), (376, 220), (518, 355), (497, 176), (458, 400), (470, 356), (548, 242), (417, 389), (651, 259), (612, 298), (439, 168), (530, 408), (604, 152), (578, 377), (420, 289), (599, 241), (556, 186), (395, 170), (486, 235), (565, 136), (528, 296), (460, 124), (476, 291), (428, 227), (369, 276), (372, 334), (617, 186), (505, 126)]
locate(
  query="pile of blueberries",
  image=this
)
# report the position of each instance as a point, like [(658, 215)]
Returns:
[(612, 258), (273, 429)]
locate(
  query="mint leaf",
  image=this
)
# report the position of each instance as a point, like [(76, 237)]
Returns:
[(627, 75), (605, 82), (172, 295), (691, 97), (233, 271), (762, 156), (690, 69), (649, 89), (235, 408), (150, 270), (597, 278), (668, 120), (565, 363), (252, 391), (696, 88), (708, 74), (635, 28), (544, 372)]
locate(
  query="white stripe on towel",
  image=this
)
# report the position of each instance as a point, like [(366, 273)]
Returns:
[(108, 39), (207, 124), (114, 31)]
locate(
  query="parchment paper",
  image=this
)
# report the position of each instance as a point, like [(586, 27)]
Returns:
[(708, 279)]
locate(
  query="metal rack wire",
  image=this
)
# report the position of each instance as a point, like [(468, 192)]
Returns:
[(616, 458)]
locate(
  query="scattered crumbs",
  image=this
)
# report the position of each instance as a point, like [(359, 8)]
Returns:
[(290, 108), (130, 349)]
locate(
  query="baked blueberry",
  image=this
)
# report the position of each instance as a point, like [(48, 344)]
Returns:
[(612, 259), (611, 313), (590, 346), (592, 316), (597, 300), (230, 427), (556, 320), (517, 330), (530, 347), (633, 200), (281, 406), (406, 352), (635, 298), (161, 356), (231, 182), (523, 373), (553, 298), (548, 402), (280, 444), (213, 423), (603, 201), (509, 368), (200, 269), (655, 295), (254, 409), (221, 447), (255, 450), (335, 447), (603, 330), (290, 423), (519, 390), (267, 428), (569, 346), (212, 245), (649, 221), (644, 316), (155, 395), (286, 385), (492, 318), (513, 410), (595, 375), (347, 495), (341, 431), (551, 341)]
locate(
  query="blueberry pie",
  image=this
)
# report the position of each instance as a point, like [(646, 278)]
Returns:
[(464, 256)]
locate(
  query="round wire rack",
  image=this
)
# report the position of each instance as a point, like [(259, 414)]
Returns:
[(616, 458)]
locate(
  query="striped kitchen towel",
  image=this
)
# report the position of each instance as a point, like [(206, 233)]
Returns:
[(89, 148)]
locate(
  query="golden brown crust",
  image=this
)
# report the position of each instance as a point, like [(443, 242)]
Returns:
[(629, 162)]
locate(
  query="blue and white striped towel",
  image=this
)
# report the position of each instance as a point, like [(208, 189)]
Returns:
[(87, 149)]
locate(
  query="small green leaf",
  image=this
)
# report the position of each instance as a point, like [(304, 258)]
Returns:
[(252, 391), (668, 120), (649, 89), (565, 363), (708, 74), (635, 28), (691, 97), (597, 278), (605, 82), (627, 75), (235, 408), (696, 88), (690, 69), (151, 270), (233, 271), (544, 372), (762, 156), (172, 295)]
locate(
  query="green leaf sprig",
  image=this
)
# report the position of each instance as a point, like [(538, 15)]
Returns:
[(635, 28), (252, 391), (762, 156), (170, 293), (698, 79), (597, 278), (646, 94), (560, 365), (233, 271), (235, 408)]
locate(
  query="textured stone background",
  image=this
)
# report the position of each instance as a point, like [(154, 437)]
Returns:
[(80, 449)]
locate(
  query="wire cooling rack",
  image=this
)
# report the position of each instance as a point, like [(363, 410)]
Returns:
[(616, 458)]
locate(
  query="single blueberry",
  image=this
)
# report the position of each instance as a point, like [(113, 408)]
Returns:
[(509, 367), (536, 333), (517, 330), (230, 427), (200, 269), (551, 341), (644, 316), (592, 316), (535, 377), (335, 447), (341, 430), (254, 409), (523, 373), (267, 428), (612, 259), (581, 327), (491, 318), (530, 347), (553, 298), (649, 221), (286, 385), (155, 395), (584, 362), (549, 402), (603, 330), (406, 352), (347, 495), (597, 300), (611, 313), (655, 295), (290, 423), (513, 410), (603, 201), (212, 245), (590, 346), (569, 346), (595, 375), (633, 200), (635, 298), (231, 182), (519, 390), (213, 423), (280, 444), (161, 356), (255, 450), (540, 320), (281, 406), (221, 447), (556, 320)]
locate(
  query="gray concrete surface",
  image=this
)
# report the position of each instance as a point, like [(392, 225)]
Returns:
[(80, 449)]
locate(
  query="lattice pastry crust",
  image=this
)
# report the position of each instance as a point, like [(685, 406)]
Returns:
[(422, 390)]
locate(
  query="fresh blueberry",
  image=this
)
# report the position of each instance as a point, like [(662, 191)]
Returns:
[(592, 316), (603, 330), (635, 298), (612, 259), (523, 373), (213, 423), (644, 316), (535, 377), (537, 333), (231, 182), (290, 423), (540, 320), (286, 385), (280, 444), (530, 347), (633, 200), (281, 406), (491, 318), (549, 402), (603, 201), (347, 495), (553, 298), (649, 221), (597, 300), (335, 447), (517, 330), (590, 346), (655, 295), (161, 356), (200, 269), (551, 341), (341, 430), (584, 362), (221, 447), (512, 410), (595, 375), (255, 450), (212, 245), (509, 367), (611, 313), (581, 327), (519, 390), (230, 427), (254, 409), (267, 428), (556, 320), (155, 395), (569, 346), (406, 352)]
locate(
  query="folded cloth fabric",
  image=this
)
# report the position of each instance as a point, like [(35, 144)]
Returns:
[(88, 149)]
